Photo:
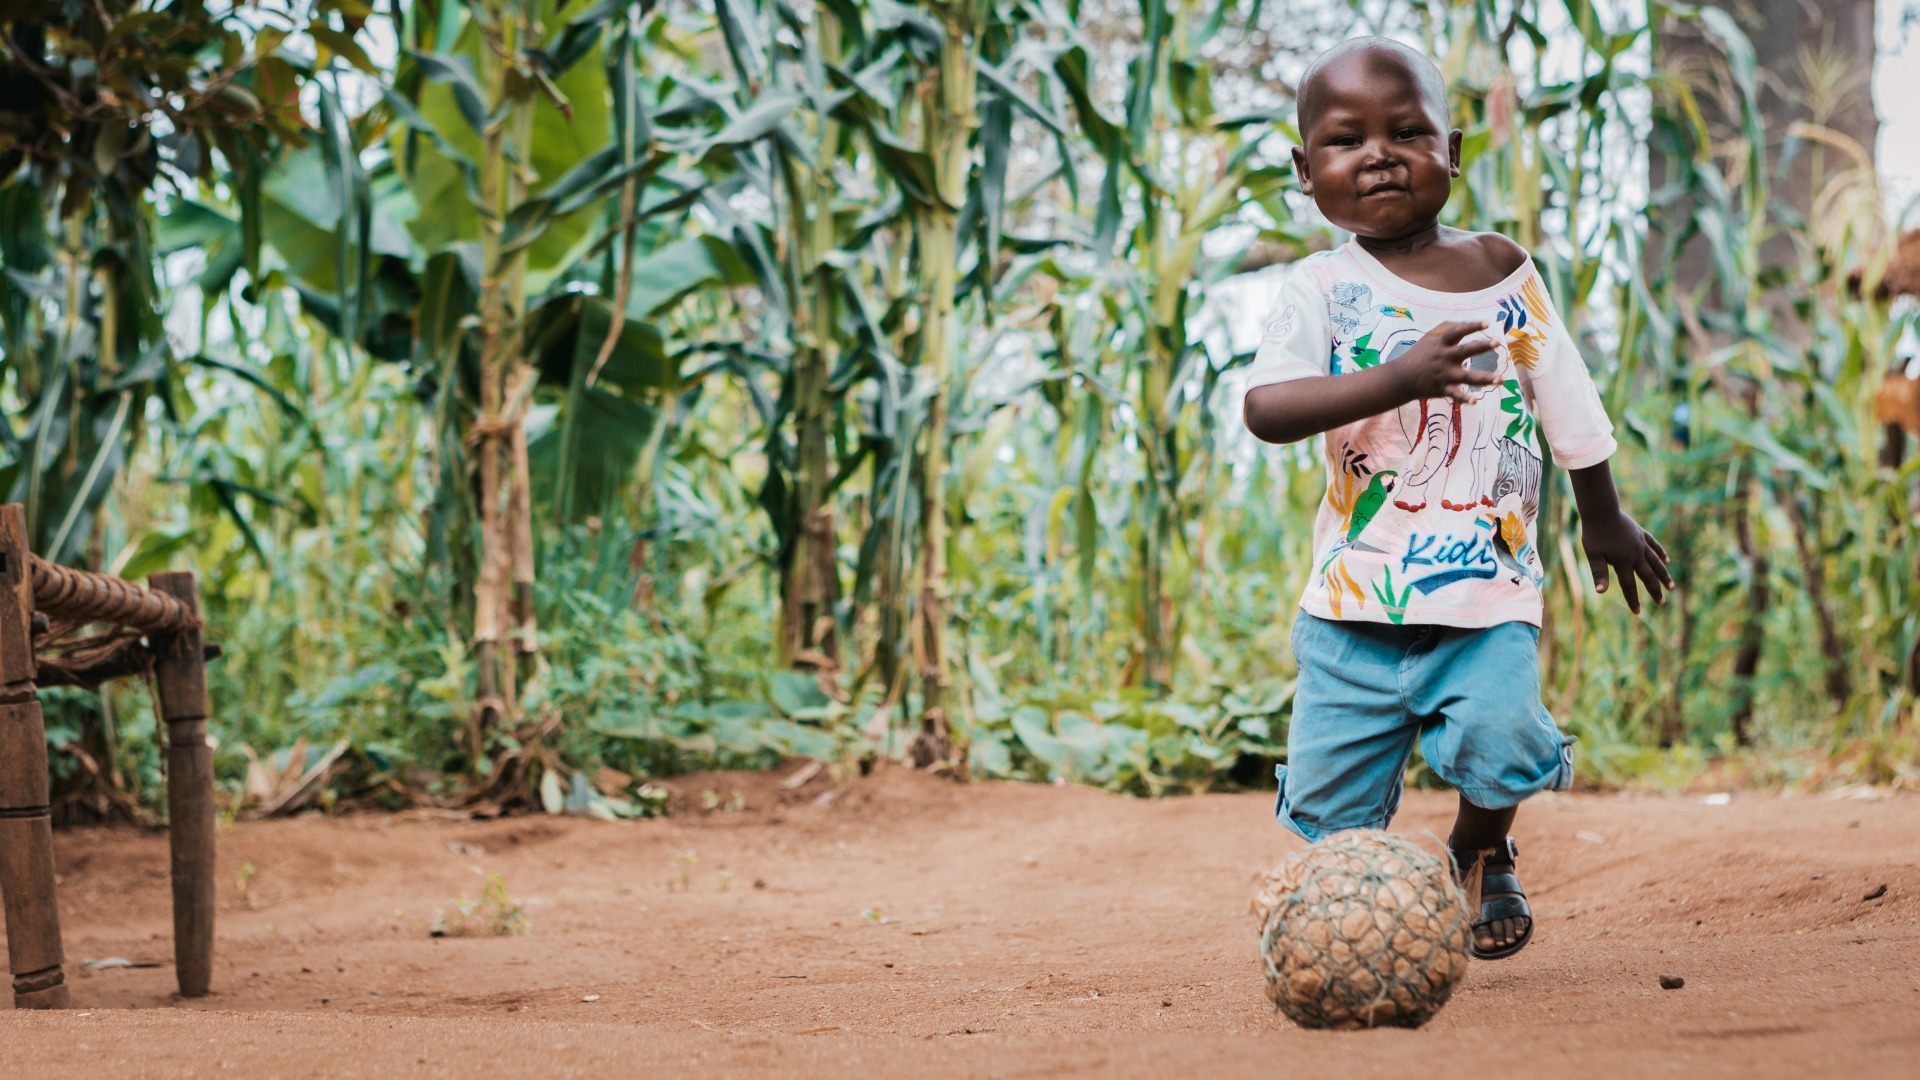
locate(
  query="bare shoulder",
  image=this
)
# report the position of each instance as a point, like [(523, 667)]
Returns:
[(1480, 260), (1503, 255)]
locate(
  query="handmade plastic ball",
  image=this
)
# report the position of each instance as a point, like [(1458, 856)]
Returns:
[(1361, 930)]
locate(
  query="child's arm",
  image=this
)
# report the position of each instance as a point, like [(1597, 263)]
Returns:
[(1612, 539), (1575, 427), (1435, 367)]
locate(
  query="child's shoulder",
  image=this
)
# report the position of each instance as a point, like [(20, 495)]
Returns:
[(1322, 270), (1501, 253)]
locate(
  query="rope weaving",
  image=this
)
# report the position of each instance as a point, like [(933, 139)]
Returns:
[(84, 596), (92, 661), (1363, 929)]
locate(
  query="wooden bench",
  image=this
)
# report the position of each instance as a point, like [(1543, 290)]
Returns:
[(164, 638)]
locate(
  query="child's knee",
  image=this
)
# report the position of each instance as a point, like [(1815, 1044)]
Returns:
[(1316, 806), (1497, 760)]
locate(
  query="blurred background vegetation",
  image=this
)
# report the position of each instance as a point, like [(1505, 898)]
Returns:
[(555, 395)]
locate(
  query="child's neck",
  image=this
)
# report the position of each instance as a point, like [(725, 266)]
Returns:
[(1440, 258), (1391, 249)]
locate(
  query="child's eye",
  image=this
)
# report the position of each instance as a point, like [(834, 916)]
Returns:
[(1408, 133)]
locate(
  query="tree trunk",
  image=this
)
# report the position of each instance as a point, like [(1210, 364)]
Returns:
[(503, 593), (526, 642), (1814, 61), (1834, 90), (489, 590), (810, 579)]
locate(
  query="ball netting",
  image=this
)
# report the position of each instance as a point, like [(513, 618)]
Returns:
[(1363, 929)]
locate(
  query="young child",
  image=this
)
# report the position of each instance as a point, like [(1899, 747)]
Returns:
[(1437, 367)]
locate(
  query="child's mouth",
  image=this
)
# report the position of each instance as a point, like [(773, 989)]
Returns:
[(1383, 189)]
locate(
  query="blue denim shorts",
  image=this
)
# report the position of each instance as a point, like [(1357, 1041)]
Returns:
[(1367, 690)]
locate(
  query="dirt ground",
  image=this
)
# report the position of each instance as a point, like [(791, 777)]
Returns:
[(904, 925)]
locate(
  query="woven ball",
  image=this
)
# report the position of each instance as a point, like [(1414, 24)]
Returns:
[(1362, 929)]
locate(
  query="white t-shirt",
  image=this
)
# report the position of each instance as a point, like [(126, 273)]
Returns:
[(1429, 513)]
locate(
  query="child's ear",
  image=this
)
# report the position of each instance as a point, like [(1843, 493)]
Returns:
[(1453, 152), (1304, 173)]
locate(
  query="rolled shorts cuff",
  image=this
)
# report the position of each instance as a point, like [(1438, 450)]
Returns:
[(1311, 833), (1558, 777)]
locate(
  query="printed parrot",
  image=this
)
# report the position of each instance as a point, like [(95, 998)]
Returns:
[(1367, 504)]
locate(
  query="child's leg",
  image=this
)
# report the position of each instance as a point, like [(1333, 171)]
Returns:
[(1482, 852), (1351, 734), (1488, 735), (1476, 828)]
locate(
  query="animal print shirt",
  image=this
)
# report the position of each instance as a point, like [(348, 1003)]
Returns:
[(1429, 513)]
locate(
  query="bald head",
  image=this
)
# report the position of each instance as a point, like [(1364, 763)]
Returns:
[(1369, 58)]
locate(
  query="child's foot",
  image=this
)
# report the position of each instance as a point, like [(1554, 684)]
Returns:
[(1505, 922)]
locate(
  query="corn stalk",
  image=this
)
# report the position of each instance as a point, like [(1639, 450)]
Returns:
[(1189, 170), (947, 124)]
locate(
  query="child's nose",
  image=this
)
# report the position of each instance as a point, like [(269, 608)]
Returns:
[(1379, 154)]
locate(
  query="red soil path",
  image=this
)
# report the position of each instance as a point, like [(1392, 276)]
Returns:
[(906, 925)]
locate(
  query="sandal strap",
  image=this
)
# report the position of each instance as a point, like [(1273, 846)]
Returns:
[(1494, 908), (1494, 894), (1487, 873), (1501, 883), (1466, 860), (1504, 855)]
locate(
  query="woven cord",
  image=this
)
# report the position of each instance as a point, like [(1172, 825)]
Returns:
[(82, 596), (1365, 930)]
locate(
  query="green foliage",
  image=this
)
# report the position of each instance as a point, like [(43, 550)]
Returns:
[(1133, 742), (723, 241), (98, 111)]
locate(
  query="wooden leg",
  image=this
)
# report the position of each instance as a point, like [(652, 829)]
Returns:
[(33, 918), (26, 861), (180, 676), (26, 832)]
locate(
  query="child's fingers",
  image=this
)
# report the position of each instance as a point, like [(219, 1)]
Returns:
[(1464, 350), (1453, 366), (1630, 591), (1450, 333), (1652, 580), (1599, 574), (1657, 560), (1657, 549)]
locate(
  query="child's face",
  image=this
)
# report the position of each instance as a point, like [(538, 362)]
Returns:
[(1379, 160)]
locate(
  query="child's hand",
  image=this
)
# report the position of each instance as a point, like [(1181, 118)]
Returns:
[(1619, 542), (1436, 366)]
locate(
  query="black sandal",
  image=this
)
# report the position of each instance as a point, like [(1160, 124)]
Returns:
[(1494, 889)]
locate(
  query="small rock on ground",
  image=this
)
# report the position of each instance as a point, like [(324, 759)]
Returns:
[(1671, 982)]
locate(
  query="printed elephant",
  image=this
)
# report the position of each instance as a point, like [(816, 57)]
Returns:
[(1450, 442)]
